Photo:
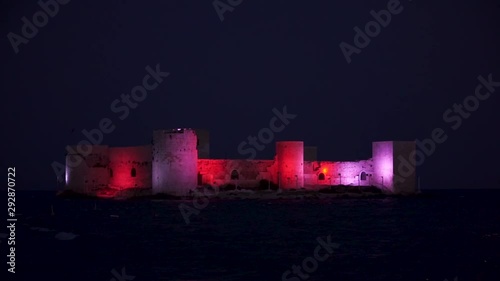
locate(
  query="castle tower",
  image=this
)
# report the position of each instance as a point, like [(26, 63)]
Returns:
[(175, 161), (87, 168), (203, 144), (290, 158), (394, 166), (310, 153)]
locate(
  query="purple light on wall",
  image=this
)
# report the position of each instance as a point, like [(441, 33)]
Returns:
[(383, 163), (387, 167)]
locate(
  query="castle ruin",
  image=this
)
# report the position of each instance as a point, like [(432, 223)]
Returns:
[(178, 161)]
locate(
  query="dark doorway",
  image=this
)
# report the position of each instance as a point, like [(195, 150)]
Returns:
[(200, 179), (235, 175)]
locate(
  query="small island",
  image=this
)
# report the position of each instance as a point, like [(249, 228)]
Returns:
[(177, 165)]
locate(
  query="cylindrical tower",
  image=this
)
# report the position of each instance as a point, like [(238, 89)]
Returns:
[(175, 161), (290, 158)]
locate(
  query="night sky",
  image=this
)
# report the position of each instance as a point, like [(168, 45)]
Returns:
[(227, 76)]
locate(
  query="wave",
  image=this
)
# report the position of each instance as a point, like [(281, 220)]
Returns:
[(66, 236)]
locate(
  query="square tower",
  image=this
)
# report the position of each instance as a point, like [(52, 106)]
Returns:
[(394, 169)]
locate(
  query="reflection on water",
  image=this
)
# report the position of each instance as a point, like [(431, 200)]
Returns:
[(382, 239)]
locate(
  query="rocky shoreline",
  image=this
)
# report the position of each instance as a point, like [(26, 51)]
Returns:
[(338, 192)]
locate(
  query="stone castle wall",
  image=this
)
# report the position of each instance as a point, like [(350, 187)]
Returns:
[(172, 165)]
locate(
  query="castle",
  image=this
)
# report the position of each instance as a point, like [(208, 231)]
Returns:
[(178, 161)]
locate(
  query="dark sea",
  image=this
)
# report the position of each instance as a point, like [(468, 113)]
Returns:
[(451, 235)]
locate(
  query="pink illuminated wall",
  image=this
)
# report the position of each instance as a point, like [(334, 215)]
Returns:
[(290, 160), (172, 165), (217, 172), (124, 161), (383, 163), (337, 173)]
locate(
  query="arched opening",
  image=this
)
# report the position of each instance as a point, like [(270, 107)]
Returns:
[(321, 177), (133, 173), (235, 175), (362, 176)]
